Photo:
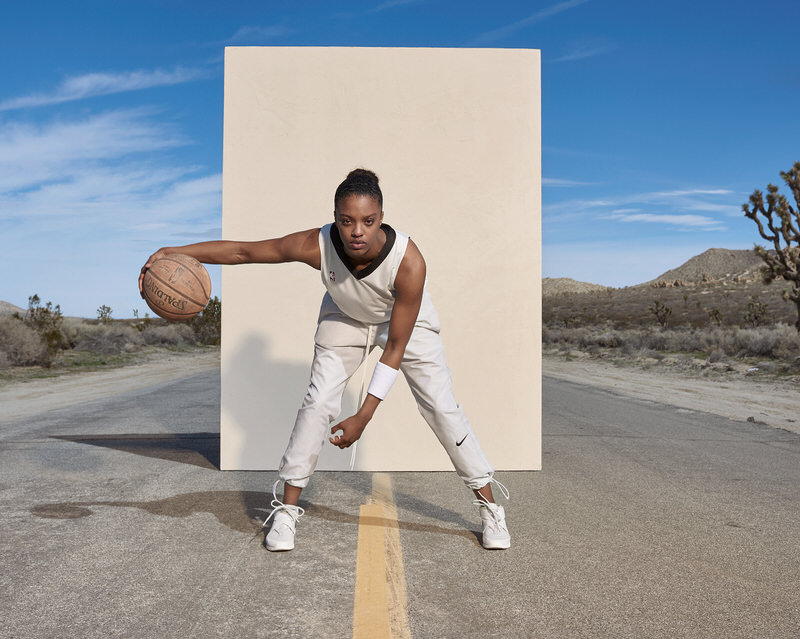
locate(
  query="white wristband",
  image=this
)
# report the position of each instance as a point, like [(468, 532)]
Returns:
[(382, 379)]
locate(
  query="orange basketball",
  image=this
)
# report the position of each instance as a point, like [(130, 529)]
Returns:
[(176, 287)]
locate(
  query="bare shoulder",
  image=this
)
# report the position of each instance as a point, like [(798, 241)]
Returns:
[(309, 238), (412, 268), (302, 246)]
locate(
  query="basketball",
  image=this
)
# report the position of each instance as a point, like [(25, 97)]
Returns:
[(176, 287)]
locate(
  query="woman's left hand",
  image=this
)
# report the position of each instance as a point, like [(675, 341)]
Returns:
[(351, 428)]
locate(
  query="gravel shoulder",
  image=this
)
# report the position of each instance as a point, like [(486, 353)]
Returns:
[(773, 402), (26, 398)]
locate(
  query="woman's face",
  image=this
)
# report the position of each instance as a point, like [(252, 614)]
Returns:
[(358, 218)]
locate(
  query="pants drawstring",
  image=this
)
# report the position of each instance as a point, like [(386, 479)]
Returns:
[(363, 393)]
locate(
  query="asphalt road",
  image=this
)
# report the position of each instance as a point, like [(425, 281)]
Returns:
[(646, 521)]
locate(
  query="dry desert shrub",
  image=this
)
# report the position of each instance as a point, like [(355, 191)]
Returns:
[(74, 328), (718, 356), (717, 343), (207, 326), (170, 335), (20, 345), (781, 341), (107, 339), (47, 320), (738, 304)]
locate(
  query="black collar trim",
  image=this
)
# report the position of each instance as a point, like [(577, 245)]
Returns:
[(374, 264)]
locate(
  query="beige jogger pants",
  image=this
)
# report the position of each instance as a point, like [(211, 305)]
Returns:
[(339, 348)]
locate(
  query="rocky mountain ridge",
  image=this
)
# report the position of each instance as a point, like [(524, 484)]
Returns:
[(558, 285), (713, 265), (9, 309)]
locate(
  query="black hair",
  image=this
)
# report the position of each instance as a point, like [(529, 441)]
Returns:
[(358, 182)]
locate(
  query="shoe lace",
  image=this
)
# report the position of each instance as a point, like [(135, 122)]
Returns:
[(295, 512), (503, 491), (493, 512), (495, 521)]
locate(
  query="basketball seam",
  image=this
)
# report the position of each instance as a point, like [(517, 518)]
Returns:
[(168, 285), (175, 317), (161, 310), (199, 281)]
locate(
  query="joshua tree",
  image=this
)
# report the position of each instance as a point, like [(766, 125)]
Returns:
[(47, 321), (783, 230), (104, 314), (661, 311), (757, 312)]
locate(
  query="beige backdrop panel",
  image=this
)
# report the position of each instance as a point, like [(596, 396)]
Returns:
[(454, 135)]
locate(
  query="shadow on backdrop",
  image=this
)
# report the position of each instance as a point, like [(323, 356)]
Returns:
[(273, 395)]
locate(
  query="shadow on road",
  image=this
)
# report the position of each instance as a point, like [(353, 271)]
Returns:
[(197, 449), (242, 511)]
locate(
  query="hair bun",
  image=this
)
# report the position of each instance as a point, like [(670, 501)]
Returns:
[(362, 175), (358, 182)]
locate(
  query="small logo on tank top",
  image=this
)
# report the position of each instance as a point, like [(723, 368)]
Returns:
[(333, 276)]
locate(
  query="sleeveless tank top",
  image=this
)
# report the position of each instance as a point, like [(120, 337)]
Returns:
[(367, 295)]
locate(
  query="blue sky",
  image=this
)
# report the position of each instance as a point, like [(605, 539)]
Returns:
[(658, 121)]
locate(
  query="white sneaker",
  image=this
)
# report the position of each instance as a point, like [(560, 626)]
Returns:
[(495, 530), (284, 523)]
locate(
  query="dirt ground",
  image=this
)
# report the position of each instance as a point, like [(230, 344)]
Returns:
[(25, 398), (773, 402)]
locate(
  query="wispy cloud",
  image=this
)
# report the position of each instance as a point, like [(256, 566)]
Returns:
[(679, 209), (504, 32), (584, 51), (688, 199), (96, 84), (683, 221), (33, 154), (254, 33), (100, 173), (105, 189), (680, 193)]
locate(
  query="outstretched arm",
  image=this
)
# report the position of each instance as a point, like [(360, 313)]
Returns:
[(409, 284), (296, 247)]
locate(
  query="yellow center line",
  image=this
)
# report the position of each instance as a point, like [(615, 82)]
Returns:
[(380, 602)]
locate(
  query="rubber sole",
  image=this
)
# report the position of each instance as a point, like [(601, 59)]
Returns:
[(281, 546), (496, 545)]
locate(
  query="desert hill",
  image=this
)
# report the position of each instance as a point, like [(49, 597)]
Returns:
[(715, 265), (8, 309), (559, 285), (719, 287)]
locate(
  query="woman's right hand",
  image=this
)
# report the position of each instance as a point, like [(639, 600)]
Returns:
[(155, 256)]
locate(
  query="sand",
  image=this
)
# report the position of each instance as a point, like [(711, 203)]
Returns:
[(26, 398), (772, 402)]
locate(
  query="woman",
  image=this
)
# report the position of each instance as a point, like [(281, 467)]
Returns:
[(375, 280)]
